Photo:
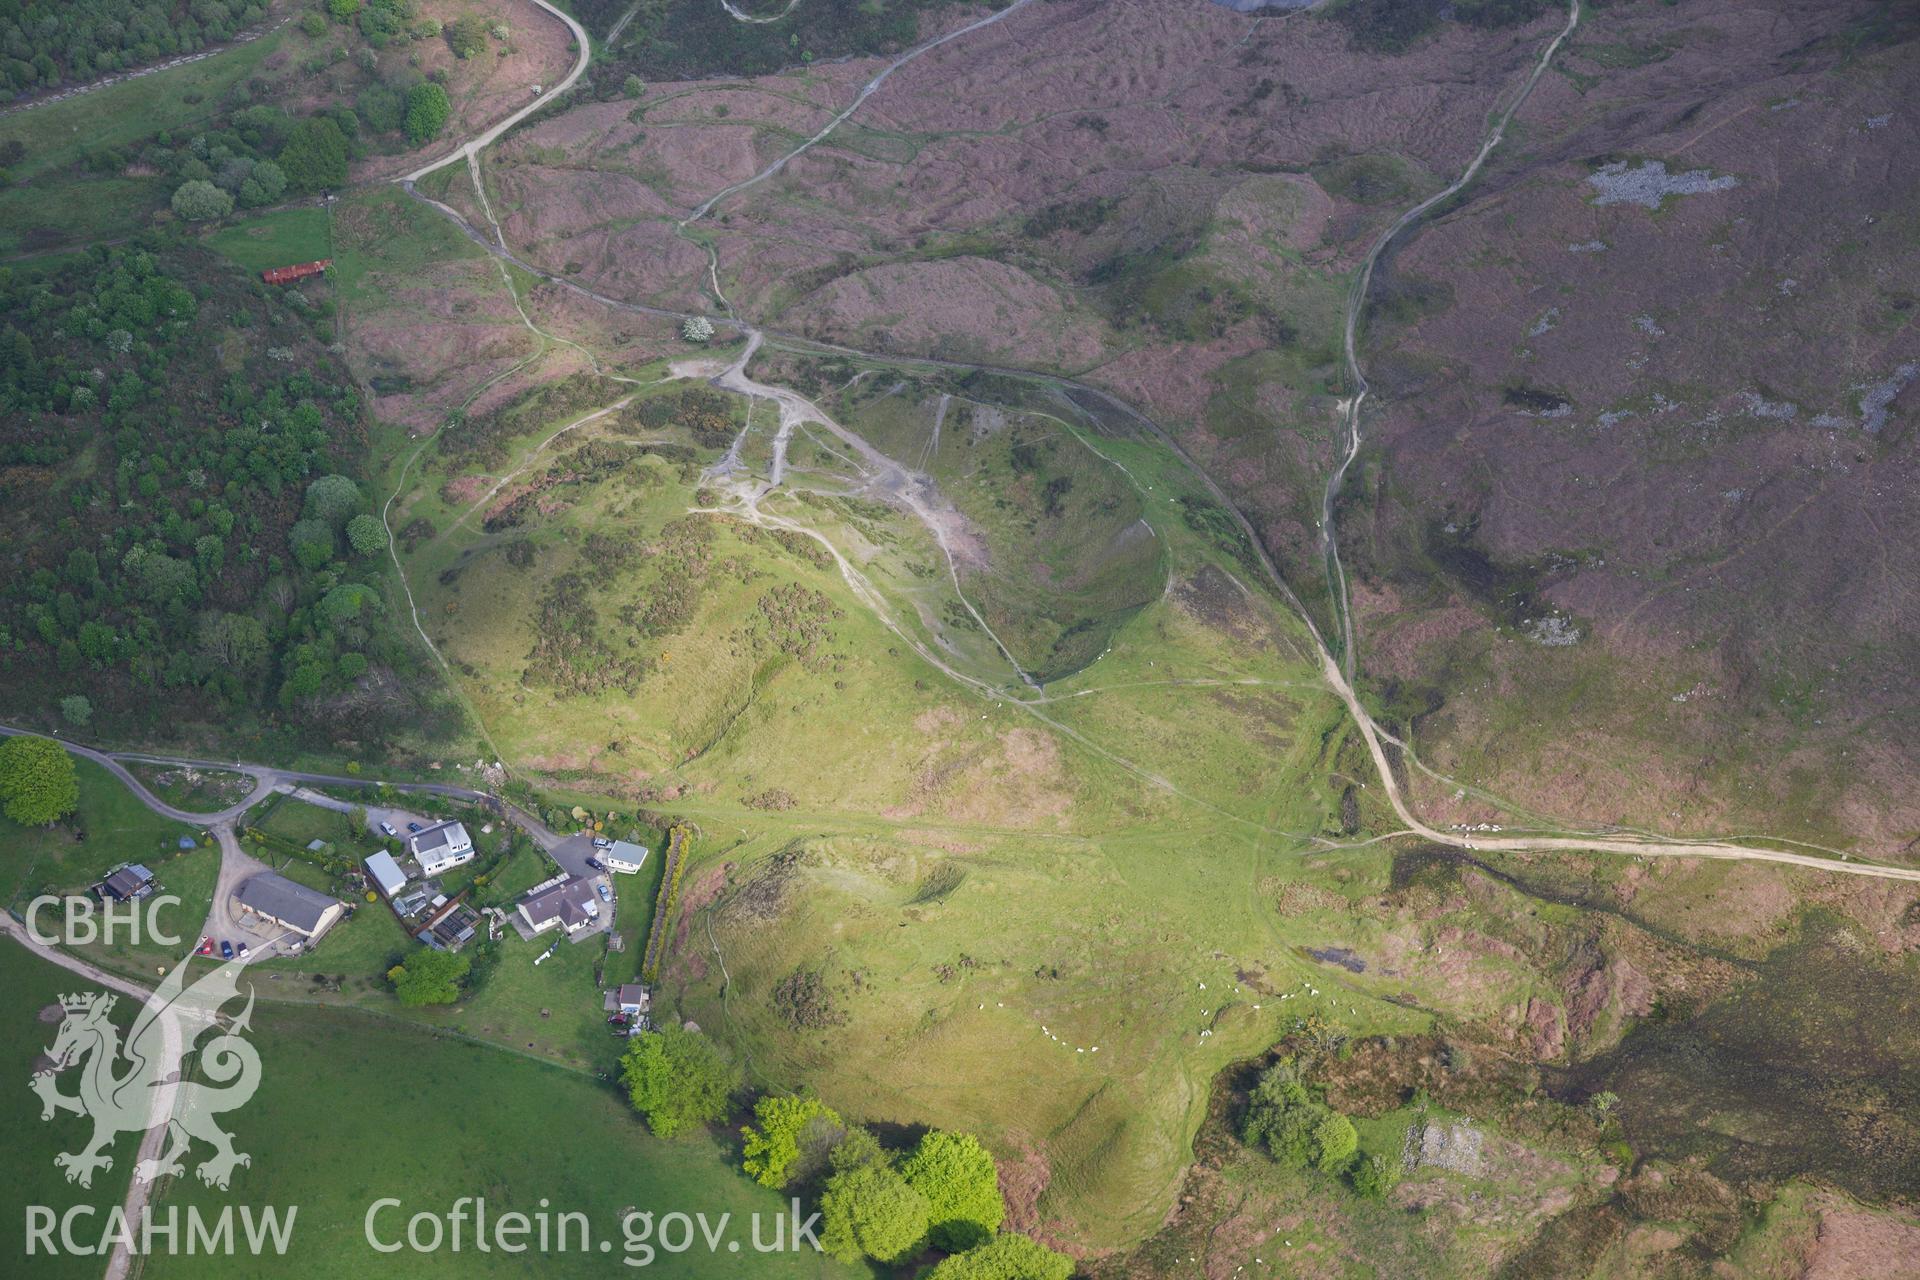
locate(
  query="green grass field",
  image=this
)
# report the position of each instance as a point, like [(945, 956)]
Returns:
[(1126, 833), (188, 877), (381, 236), (29, 985), (277, 239), (352, 1109)]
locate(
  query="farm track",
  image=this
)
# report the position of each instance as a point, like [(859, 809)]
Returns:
[(138, 73), (1356, 306), (1335, 668)]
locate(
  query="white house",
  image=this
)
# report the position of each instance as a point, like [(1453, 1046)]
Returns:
[(441, 847), (571, 904), (386, 874), (625, 856)]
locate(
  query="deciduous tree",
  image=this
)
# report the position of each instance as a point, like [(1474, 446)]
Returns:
[(427, 110), (677, 1079), (1005, 1257), (38, 785), (788, 1137), (957, 1176), (429, 976), (315, 156), (870, 1211), (332, 499), (366, 535), (197, 201)]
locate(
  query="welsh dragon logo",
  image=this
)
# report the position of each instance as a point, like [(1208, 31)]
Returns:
[(138, 1086)]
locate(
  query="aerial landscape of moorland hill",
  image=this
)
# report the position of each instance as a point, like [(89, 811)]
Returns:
[(910, 638)]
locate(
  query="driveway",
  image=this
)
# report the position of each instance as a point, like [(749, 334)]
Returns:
[(376, 814), (572, 852), (226, 920)]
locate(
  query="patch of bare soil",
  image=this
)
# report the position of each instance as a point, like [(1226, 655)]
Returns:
[(1023, 1181), (462, 491), (763, 898), (1852, 1243), (1214, 599)]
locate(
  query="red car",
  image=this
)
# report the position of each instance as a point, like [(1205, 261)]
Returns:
[(205, 948)]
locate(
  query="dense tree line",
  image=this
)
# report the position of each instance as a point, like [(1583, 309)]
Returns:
[(48, 43), (877, 1204), (187, 536)]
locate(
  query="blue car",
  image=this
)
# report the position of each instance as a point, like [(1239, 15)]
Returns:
[(413, 826), (226, 950)]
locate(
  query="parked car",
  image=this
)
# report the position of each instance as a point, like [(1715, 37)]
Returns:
[(606, 894), (244, 953), (413, 826), (595, 864), (206, 946), (226, 949), (387, 828), (601, 842)]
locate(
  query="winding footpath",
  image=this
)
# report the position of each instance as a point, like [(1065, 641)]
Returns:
[(867, 90), (1356, 305), (480, 142), (1337, 669), (121, 77)]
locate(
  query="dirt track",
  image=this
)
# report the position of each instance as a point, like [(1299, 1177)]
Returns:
[(1334, 670)]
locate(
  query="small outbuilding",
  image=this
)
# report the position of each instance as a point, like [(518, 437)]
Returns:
[(124, 884), (625, 857), (386, 874)]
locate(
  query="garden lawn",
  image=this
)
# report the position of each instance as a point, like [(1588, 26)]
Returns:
[(188, 877), (118, 828)]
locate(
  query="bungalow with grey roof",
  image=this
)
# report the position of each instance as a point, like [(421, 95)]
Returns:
[(272, 896), (565, 902), (624, 856)]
